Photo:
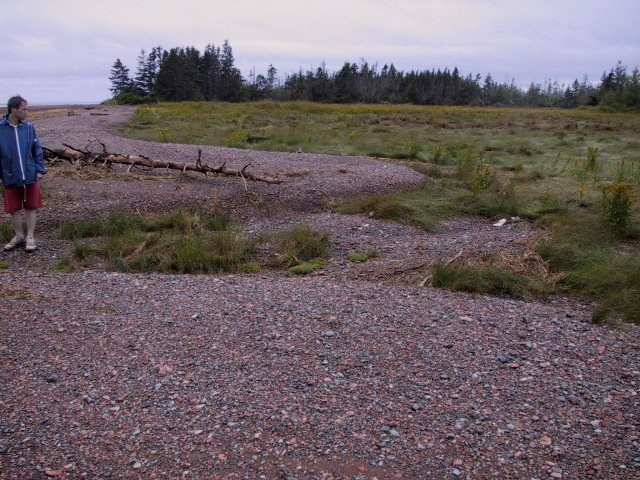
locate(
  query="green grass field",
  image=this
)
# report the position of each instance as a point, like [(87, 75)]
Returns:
[(441, 133), (575, 172)]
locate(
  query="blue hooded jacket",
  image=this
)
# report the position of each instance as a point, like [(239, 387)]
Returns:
[(21, 156)]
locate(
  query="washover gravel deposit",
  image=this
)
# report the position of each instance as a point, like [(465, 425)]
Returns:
[(355, 372)]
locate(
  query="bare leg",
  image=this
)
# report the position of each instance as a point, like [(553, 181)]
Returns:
[(16, 219), (30, 215)]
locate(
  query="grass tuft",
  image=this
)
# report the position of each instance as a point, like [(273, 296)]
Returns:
[(301, 244), (358, 257), (424, 205), (183, 241), (6, 233), (489, 280), (306, 268), (85, 228), (592, 265)]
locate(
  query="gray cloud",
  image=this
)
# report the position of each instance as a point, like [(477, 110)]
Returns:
[(66, 48)]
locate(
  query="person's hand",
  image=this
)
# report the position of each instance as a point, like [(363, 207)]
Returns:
[(39, 176)]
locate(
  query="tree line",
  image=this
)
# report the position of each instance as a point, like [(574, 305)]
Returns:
[(182, 74)]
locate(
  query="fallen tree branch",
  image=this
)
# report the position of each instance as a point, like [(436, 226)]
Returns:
[(77, 157)]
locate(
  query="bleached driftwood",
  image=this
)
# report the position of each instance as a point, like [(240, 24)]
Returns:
[(79, 157)]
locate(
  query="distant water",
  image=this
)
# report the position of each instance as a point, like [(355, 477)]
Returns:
[(70, 102)]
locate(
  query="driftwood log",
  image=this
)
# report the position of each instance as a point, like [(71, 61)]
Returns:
[(78, 157)]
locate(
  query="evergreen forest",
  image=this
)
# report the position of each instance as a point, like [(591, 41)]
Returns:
[(186, 74)]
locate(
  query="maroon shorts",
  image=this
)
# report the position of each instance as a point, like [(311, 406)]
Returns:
[(27, 197)]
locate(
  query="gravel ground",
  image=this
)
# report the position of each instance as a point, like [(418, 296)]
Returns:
[(355, 372)]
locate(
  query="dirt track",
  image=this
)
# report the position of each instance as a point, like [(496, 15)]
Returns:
[(344, 374)]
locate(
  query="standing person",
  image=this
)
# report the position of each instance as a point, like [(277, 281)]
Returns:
[(21, 166)]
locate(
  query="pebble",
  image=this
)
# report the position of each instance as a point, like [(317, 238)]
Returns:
[(227, 355)]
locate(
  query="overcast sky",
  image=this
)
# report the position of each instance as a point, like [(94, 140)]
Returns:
[(63, 50)]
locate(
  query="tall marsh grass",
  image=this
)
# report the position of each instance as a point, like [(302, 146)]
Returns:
[(426, 133)]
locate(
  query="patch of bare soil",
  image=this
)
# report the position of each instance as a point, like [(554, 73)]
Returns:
[(356, 372)]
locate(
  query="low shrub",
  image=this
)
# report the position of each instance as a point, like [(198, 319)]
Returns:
[(593, 164), (481, 178), (617, 200), (132, 98)]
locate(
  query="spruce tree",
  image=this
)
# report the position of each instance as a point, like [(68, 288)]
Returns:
[(169, 83), (139, 80), (147, 71), (210, 70), (230, 77), (120, 81)]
